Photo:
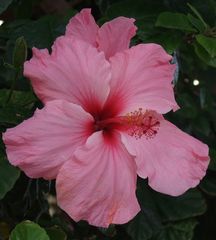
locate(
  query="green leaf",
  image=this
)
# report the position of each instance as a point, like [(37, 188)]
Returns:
[(208, 43), (170, 41), (187, 205), (56, 233), (144, 225), (20, 52), (147, 221), (19, 107), (4, 4), (174, 21), (13, 114), (193, 9), (28, 230), (204, 56), (177, 231), (8, 176), (37, 33), (208, 185), (22, 98), (197, 23), (42, 32), (158, 208)]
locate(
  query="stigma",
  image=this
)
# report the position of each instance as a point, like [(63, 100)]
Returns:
[(142, 123)]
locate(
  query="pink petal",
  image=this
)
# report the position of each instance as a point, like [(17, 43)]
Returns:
[(99, 183), (41, 144), (115, 36), (173, 161), (75, 71), (142, 78), (83, 26)]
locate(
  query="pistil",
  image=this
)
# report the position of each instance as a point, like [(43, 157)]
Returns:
[(137, 124)]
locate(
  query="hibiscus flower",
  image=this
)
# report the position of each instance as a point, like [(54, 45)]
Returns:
[(102, 123), (112, 37)]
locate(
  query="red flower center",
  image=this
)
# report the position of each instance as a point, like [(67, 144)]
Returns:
[(137, 124)]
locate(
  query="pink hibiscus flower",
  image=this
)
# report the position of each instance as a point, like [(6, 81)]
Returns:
[(112, 37), (102, 123)]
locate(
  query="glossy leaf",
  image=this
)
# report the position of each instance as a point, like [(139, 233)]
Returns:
[(168, 40), (197, 23), (174, 21), (204, 55), (193, 9), (208, 43), (28, 230)]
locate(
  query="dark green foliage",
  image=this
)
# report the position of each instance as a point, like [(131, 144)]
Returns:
[(9, 175), (175, 21), (4, 5), (187, 30), (28, 231)]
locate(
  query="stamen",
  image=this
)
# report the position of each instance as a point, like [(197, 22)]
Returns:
[(141, 123), (137, 123)]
